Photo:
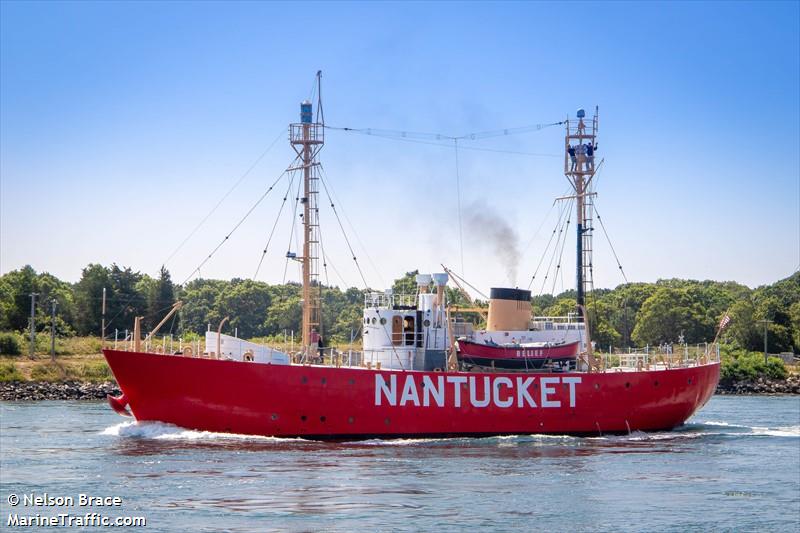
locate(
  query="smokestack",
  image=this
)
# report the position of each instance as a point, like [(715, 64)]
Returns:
[(509, 310)]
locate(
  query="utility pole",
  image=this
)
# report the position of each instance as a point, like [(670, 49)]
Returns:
[(766, 325), (33, 323), (53, 303), (103, 320)]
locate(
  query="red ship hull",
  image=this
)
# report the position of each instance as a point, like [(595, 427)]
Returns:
[(514, 356), (340, 403)]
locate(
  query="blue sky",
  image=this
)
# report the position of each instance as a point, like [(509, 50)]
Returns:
[(122, 125)]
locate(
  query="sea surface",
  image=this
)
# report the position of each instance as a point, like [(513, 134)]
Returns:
[(734, 466)]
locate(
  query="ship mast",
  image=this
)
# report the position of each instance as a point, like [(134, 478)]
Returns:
[(581, 139), (307, 138)]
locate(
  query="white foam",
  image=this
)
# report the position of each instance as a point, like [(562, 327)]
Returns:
[(785, 431), (723, 424), (162, 431)]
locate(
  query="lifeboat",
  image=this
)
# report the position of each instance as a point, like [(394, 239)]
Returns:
[(533, 355)]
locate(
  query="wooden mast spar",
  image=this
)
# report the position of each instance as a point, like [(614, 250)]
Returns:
[(307, 138)]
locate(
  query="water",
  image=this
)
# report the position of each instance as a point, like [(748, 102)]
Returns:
[(734, 466)]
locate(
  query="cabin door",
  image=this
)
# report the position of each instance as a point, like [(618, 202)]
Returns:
[(397, 330)]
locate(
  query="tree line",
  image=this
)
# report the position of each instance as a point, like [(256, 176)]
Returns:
[(632, 314)]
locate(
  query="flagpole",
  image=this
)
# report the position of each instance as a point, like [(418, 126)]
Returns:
[(726, 318)]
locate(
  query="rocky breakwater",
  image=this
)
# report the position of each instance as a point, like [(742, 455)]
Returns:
[(62, 390), (790, 385)]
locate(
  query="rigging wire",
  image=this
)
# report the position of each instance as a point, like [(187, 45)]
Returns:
[(233, 187), (558, 265), (247, 214), (353, 229), (566, 207), (274, 225), (562, 233), (603, 226), (440, 136), (458, 199), (344, 233), (291, 232), (326, 261), (447, 145), (541, 225), (467, 283)]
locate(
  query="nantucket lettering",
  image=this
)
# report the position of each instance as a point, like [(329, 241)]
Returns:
[(476, 391)]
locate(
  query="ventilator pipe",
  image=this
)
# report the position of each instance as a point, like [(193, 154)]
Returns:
[(219, 335)]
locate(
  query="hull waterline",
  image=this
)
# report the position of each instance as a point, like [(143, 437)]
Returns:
[(320, 402)]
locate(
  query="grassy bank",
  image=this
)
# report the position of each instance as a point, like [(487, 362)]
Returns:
[(92, 368)]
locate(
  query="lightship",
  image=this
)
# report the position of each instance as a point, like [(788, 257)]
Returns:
[(412, 380)]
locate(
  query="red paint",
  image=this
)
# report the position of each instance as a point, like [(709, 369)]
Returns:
[(326, 402)]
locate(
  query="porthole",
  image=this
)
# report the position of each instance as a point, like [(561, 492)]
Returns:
[(426, 323), (304, 380), (274, 416), (324, 381), (322, 419), (383, 321), (351, 420), (627, 384), (303, 418), (374, 320), (596, 386)]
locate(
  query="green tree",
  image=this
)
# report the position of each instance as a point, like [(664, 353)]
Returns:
[(160, 297), (667, 313), (19, 285), (200, 305), (406, 284), (601, 315), (743, 330), (246, 302), (127, 299), (88, 294)]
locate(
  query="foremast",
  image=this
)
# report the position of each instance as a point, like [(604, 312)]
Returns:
[(307, 138), (580, 143)]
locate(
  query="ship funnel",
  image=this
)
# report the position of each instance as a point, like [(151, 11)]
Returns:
[(509, 310)]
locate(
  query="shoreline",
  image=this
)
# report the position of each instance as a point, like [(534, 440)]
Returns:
[(88, 390)]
